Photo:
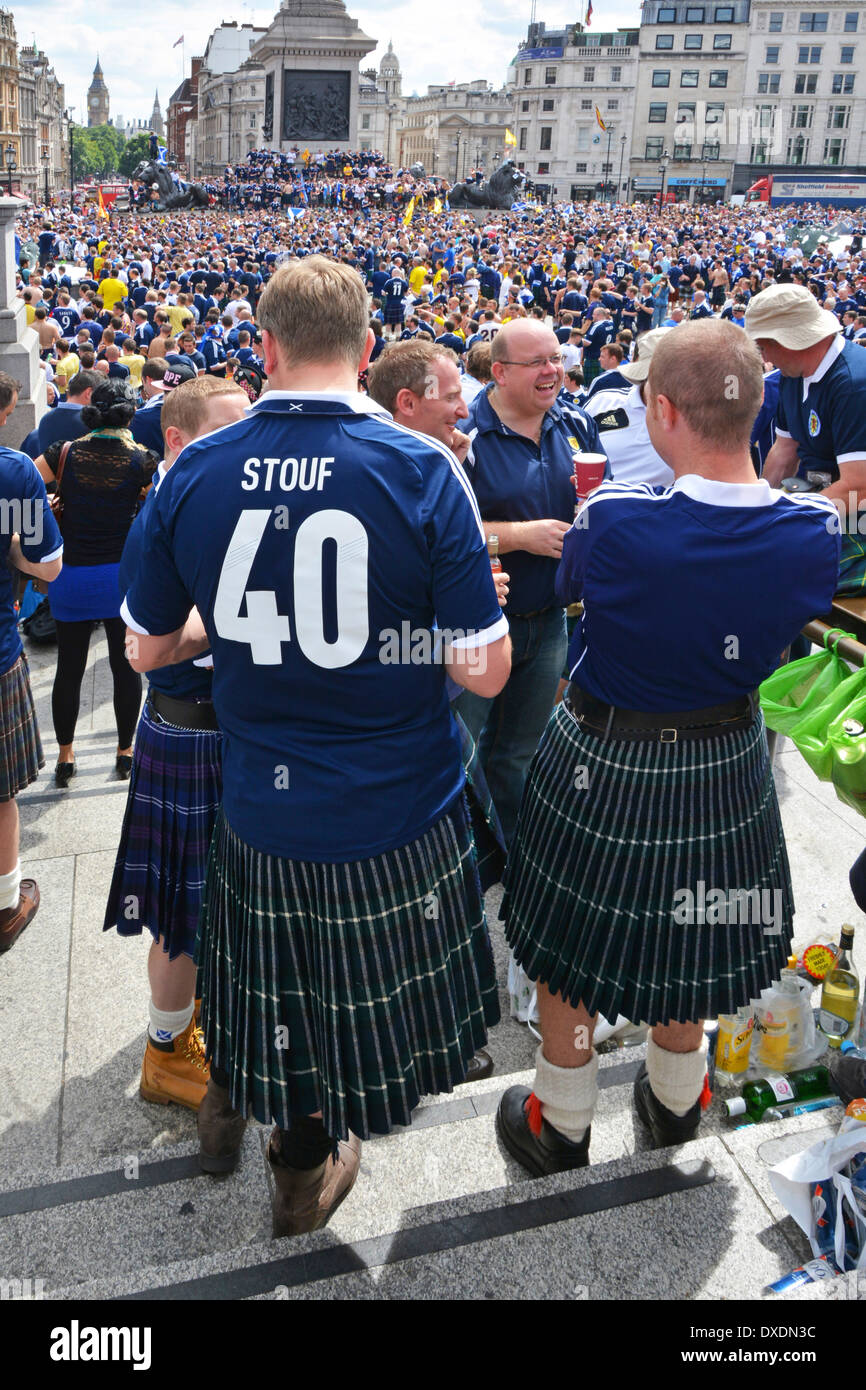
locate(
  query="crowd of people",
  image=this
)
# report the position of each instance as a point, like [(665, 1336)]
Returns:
[(278, 443)]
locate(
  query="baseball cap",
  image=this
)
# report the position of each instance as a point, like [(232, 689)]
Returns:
[(176, 373), (791, 316), (646, 346)]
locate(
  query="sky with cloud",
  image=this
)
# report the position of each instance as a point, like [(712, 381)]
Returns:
[(463, 43)]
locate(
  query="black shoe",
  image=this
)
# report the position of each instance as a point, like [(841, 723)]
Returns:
[(479, 1068), (123, 766), (547, 1152), (62, 774), (666, 1127), (847, 1076)]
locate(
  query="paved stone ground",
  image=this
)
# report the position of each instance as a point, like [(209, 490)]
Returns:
[(100, 1194)]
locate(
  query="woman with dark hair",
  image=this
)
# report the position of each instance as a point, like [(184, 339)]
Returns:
[(100, 485)]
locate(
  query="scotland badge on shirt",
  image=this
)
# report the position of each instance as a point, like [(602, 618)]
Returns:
[(814, 424)]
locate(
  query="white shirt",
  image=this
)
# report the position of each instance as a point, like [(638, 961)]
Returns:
[(632, 457)]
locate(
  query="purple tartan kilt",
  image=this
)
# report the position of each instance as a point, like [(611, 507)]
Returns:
[(175, 790)]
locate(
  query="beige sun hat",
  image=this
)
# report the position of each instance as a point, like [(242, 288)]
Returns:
[(791, 316), (646, 346)]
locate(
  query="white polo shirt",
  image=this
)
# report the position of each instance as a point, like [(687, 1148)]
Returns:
[(621, 419)]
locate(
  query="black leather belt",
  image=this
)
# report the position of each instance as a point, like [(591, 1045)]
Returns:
[(628, 725), (536, 612), (183, 714)]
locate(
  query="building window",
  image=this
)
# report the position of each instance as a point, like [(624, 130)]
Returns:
[(843, 83), (546, 105), (616, 74), (834, 151), (523, 137), (693, 42), (550, 77), (667, 15), (689, 77), (768, 82), (694, 14), (545, 137), (544, 168), (580, 168), (813, 22), (777, 20), (613, 103), (801, 117), (682, 151), (711, 151), (851, 19), (758, 154), (658, 112), (715, 113), (253, 119), (797, 149), (847, 55), (365, 121), (583, 137), (721, 41), (527, 77), (586, 103), (724, 14), (664, 41), (661, 77), (837, 117), (686, 112), (654, 147), (589, 74), (772, 54), (719, 77), (805, 54), (805, 85)]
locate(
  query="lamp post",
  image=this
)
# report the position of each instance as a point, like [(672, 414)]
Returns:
[(622, 140), (11, 163), (663, 166), (703, 183), (229, 155), (68, 114), (607, 178), (457, 158)]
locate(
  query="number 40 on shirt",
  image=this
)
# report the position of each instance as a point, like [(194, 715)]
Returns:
[(264, 628)]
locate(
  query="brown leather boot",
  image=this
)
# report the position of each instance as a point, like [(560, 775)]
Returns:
[(13, 920), (220, 1131), (306, 1200), (175, 1071)]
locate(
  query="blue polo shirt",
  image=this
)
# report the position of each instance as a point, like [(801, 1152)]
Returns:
[(663, 627), (598, 336), (22, 493), (829, 425), (146, 426), (320, 543), (516, 479)]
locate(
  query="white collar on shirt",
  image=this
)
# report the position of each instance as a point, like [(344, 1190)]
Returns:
[(718, 494), (162, 469), (825, 364)]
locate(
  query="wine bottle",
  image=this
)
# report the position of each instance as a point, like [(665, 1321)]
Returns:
[(840, 995)]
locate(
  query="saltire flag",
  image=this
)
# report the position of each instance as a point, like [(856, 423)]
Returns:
[(588, 19), (407, 216), (437, 205), (447, 204), (600, 121), (161, 153), (510, 137), (103, 211), (180, 40)]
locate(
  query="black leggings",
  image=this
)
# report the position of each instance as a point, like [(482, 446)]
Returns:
[(73, 641)]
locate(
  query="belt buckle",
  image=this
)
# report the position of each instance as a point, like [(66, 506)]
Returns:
[(673, 732)]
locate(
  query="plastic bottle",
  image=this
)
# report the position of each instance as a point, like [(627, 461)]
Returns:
[(493, 552), (840, 995), (813, 1083), (733, 1046)]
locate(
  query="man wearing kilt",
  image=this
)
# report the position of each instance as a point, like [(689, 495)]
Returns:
[(345, 962), (175, 790), (29, 541), (651, 794)]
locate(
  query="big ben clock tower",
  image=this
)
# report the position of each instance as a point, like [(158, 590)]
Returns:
[(97, 98)]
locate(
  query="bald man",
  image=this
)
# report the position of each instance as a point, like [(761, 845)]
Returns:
[(520, 463)]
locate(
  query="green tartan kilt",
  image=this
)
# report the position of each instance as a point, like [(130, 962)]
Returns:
[(610, 833), (353, 989)]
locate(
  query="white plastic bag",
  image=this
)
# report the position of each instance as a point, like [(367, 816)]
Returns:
[(524, 1007), (792, 1181)]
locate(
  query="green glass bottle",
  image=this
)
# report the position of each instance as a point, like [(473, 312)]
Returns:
[(840, 995), (812, 1083)]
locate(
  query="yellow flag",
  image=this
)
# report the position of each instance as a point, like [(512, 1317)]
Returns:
[(407, 216), (437, 205), (510, 137), (600, 121), (306, 156), (101, 201)]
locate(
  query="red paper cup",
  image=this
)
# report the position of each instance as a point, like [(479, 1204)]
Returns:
[(588, 472)]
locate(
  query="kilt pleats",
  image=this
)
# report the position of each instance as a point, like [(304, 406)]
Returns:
[(21, 754)]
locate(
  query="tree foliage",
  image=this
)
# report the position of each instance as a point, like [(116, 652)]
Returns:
[(135, 150), (97, 150)]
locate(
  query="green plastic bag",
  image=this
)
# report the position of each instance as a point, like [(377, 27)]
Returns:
[(811, 733), (801, 686), (847, 739)]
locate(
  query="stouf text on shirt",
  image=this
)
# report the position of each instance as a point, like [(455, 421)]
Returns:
[(307, 474)]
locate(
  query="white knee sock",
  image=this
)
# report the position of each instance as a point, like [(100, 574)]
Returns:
[(568, 1095), (676, 1078), (10, 888), (165, 1027)]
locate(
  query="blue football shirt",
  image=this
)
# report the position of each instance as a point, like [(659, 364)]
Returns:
[(26, 512), (321, 543), (826, 413)]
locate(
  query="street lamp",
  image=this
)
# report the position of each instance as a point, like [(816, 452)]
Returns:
[(622, 140), (663, 166), (457, 157), (11, 163), (703, 183)]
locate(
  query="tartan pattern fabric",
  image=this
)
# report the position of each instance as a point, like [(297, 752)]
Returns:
[(175, 789), (21, 753), (594, 870), (486, 830), (353, 989)]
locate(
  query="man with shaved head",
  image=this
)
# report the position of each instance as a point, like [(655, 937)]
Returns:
[(520, 463)]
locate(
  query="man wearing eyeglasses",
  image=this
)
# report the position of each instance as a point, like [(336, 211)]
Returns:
[(520, 463)]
